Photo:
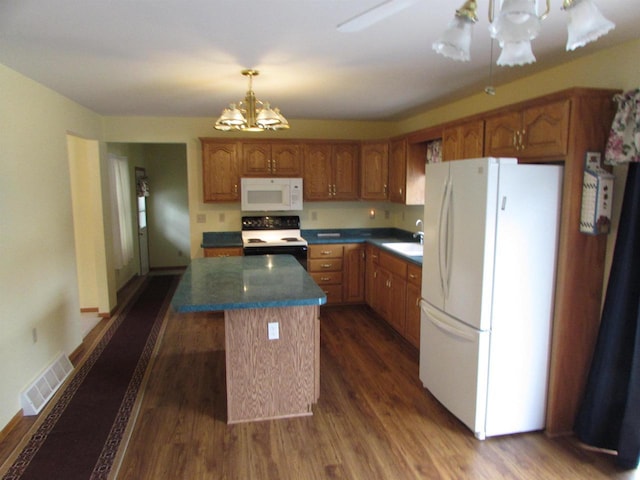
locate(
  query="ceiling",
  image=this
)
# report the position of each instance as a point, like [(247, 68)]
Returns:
[(184, 57)]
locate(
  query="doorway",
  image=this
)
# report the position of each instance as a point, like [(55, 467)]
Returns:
[(142, 191)]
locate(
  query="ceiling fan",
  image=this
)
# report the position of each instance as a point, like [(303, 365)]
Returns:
[(374, 15)]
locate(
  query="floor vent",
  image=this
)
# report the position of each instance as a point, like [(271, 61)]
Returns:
[(36, 396)]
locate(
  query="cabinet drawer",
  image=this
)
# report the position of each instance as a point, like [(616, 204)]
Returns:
[(326, 251), (333, 293), (325, 264), (327, 278), (414, 274), (393, 264)]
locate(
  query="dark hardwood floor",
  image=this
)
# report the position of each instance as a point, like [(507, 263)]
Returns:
[(373, 420)]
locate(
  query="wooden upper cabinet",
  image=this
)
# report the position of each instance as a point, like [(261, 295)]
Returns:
[(406, 171), (220, 171), (330, 171), (318, 174), (397, 170), (281, 159), (538, 131), (346, 167), (374, 171), (465, 140)]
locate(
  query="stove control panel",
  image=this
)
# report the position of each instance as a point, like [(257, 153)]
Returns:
[(275, 222)]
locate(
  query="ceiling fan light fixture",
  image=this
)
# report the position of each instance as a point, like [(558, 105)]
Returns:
[(516, 54), (250, 114), (585, 23), (455, 42), (517, 21)]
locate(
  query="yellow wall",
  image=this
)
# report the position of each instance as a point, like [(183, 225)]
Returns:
[(615, 68), (38, 277)]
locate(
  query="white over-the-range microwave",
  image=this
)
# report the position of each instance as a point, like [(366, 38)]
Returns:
[(270, 194)]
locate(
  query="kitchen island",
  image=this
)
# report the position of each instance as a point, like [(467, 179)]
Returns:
[(272, 331)]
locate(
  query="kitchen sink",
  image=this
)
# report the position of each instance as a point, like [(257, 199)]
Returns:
[(412, 249)]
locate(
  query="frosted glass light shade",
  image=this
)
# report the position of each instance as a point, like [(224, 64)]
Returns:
[(455, 42), (232, 116), (585, 23), (518, 21), (267, 116), (516, 53)]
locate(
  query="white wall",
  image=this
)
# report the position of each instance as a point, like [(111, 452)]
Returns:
[(38, 277)]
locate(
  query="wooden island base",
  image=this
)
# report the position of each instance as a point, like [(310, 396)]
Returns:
[(272, 378)]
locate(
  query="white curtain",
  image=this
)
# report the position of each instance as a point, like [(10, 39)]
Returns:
[(121, 211)]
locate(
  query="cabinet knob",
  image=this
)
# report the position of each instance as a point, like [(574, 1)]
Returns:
[(326, 265)]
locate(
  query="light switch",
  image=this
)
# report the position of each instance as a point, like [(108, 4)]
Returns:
[(274, 330)]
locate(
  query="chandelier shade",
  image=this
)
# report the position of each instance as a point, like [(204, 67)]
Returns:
[(518, 21), (455, 42), (250, 114), (516, 24), (516, 53), (585, 23)]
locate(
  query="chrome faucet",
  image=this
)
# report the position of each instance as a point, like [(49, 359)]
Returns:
[(419, 234)]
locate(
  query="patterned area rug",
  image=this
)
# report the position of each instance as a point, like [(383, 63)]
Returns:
[(78, 436)]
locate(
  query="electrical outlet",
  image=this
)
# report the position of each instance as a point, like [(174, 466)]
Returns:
[(386, 214), (221, 217), (314, 216), (34, 335), (201, 218), (274, 330)]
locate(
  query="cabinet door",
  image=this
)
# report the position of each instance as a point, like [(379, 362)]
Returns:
[(545, 130), (397, 170), (354, 273), (371, 265), (397, 302), (317, 172), (502, 135), (256, 159), (450, 142), (220, 172), (374, 169), (472, 139), (345, 161), (286, 160), (412, 322)]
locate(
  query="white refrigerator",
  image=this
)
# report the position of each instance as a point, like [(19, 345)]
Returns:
[(488, 276)]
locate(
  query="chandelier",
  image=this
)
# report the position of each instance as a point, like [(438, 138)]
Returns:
[(516, 25), (250, 114)]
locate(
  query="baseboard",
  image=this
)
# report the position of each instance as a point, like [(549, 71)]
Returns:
[(89, 310), (8, 428)]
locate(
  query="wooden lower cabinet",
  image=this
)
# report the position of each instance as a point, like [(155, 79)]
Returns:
[(353, 276), (326, 267), (412, 309), (393, 291), (223, 252)]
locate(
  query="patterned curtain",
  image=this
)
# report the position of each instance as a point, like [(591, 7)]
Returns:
[(624, 140)]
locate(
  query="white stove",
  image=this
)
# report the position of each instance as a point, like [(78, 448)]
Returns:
[(272, 235)]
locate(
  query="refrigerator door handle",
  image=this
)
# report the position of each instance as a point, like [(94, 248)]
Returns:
[(442, 239), (446, 326)]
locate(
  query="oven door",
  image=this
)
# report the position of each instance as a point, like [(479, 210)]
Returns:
[(299, 252)]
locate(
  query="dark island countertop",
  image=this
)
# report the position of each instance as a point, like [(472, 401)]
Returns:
[(230, 283)]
